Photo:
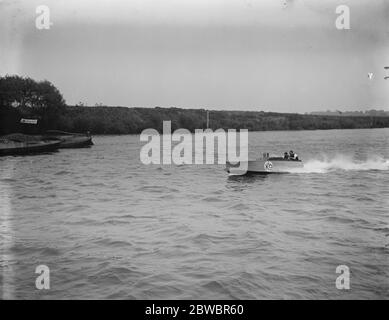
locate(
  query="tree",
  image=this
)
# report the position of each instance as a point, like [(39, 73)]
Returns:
[(32, 99), (26, 92)]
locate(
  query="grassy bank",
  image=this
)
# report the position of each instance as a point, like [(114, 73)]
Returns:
[(122, 120), (23, 97)]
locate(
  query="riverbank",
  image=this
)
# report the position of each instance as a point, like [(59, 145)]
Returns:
[(123, 120)]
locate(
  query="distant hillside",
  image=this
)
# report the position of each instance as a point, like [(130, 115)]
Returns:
[(121, 120), (368, 113), (26, 98)]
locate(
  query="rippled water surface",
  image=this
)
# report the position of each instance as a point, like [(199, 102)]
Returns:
[(108, 226)]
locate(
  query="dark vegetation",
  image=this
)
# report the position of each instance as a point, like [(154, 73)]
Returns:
[(26, 98)]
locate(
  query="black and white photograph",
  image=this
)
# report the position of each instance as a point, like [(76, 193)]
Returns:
[(194, 150)]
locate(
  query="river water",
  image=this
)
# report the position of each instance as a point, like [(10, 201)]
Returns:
[(108, 226)]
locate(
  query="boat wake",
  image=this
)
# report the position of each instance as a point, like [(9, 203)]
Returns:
[(342, 162)]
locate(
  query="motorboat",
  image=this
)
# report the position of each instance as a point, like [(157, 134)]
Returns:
[(70, 140), (268, 164), (11, 147)]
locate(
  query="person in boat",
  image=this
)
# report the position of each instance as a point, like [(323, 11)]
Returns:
[(286, 156), (292, 155)]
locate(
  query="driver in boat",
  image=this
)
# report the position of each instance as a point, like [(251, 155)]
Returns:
[(292, 155), (286, 155)]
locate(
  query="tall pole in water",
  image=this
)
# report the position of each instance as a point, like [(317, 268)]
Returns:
[(207, 119)]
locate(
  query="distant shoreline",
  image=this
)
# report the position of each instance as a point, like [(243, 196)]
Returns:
[(134, 134), (103, 120), (127, 120), (42, 107)]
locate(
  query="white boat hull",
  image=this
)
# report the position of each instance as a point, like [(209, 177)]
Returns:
[(263, 166)]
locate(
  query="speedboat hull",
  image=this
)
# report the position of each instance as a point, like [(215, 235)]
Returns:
[(75, 142), (11, 148), (267, 166), (71, 140)]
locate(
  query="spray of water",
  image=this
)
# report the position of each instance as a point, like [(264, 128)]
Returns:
[(343, 162)]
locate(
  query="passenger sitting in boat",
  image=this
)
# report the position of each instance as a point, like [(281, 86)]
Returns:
[(286, 156), (292, 155)]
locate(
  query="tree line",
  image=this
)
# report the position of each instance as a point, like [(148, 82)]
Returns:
[(22, 97)]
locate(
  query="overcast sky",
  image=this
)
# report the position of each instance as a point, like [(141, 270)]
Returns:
[(272, 55)]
